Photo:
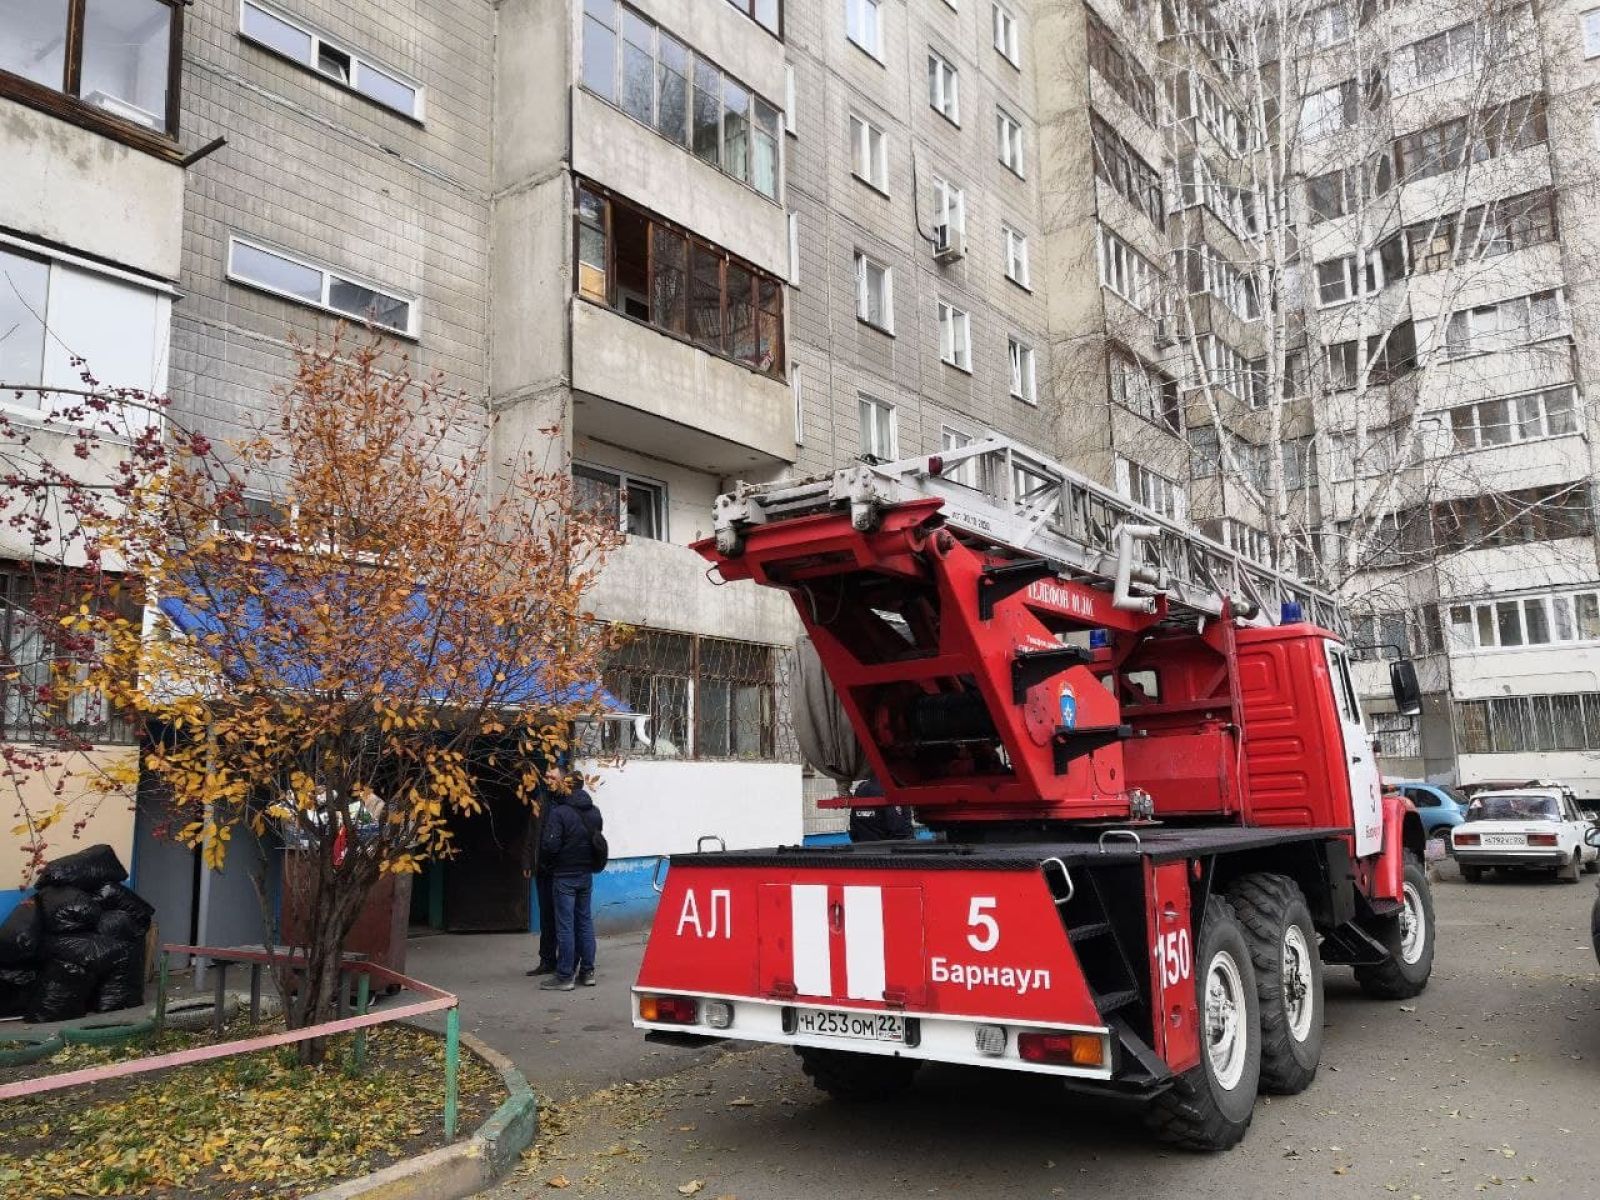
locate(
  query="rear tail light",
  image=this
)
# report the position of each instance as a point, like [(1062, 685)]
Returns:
[(1543, 839), (669, 1010), (1062, 1049), (1466, 839)]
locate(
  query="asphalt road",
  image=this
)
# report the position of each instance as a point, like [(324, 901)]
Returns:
[(1490, 1087)]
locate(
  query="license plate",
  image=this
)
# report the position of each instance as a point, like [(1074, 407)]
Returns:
[(1505, 839), (860, 1027)]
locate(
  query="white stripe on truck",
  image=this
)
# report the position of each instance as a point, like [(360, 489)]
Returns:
[(808, 928), (863, 943)]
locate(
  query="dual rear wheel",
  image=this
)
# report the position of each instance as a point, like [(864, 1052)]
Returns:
[(1259, 986)]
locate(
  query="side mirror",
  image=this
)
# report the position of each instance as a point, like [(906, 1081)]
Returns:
[(1591, 835), (1403, 683)]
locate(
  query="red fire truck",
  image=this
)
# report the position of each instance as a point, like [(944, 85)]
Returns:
[(1157, 811)]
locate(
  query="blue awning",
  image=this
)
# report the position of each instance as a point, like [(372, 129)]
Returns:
[(525, 691)]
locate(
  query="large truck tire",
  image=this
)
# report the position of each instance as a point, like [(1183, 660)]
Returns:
[(857, 1077), (1409, 936), (1283, 950), (1209, 1107)]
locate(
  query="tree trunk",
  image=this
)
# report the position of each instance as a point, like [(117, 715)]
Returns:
[(336, 898)]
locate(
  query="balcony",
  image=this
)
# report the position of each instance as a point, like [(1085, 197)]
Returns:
[(645, 390)]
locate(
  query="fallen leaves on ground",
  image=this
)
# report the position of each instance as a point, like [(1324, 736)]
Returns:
[(219, 1127)]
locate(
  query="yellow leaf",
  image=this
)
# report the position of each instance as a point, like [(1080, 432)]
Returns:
[(558, 1181), (690, 1188)]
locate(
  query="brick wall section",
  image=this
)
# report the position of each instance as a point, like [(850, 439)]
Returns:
[(327, 174), (839, 357)]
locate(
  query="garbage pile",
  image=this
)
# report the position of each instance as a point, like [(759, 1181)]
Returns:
[(76, 944)]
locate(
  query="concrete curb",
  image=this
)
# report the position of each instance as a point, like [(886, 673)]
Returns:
[(469, 1166)]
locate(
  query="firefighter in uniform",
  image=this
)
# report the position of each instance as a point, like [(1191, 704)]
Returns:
[(887, 823)]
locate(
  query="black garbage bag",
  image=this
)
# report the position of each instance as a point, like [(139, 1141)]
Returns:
[(16, 985), (122, 899), (124, 927), (94, 952), (21, 934), (123, 983), (88, 869), (68, 910), (62, 993)]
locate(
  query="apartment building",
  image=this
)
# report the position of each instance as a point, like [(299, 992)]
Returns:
[(1344, 310), (91, 217)]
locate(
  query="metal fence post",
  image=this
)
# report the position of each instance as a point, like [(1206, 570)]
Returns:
[(363, 991), (161, 994), (452, 1069)]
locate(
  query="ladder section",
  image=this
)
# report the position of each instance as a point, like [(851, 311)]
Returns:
[(999, 492)]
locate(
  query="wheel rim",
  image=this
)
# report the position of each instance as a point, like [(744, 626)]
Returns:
[(1413, 925), (1299, 998), (1226, 1036)]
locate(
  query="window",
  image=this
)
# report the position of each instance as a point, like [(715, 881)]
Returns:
[(1328, 111), (880, 438), (949, 212), (1245, 539), (1591, 33), (119, 57), (1561, 618), (1509, 127), (869, 155), (765, 13), (1203, 269), (1328, 24), (1223, 366), (53, 307), (1009, 133), (706, 697), (1205, 452), (656, 80), (1336, 281), (1154, 491), (1024, 385), (1523, 724), (322, 287), (788, 98), (1142, 389), (301, 44), (1510, 223), (1120, 165), (864, 25), (33, 600), (640, 505), (1120, 70), (944, 89), (1434, 59), (1016, 251), (1506, 325), (1193, 96), (650, 271), (965, 472), (874, 293), (955, 336), (1386, 451), (1128, 273), (1542, 514), (1549, 413), (1005, 35)]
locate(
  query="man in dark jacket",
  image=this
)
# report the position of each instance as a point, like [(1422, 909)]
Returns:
[(534, 868), (888, 823), (566, 848)]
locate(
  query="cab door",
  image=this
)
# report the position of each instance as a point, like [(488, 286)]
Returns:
[(1365, 785)]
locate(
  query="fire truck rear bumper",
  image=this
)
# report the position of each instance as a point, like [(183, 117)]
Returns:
[(962, 1040)]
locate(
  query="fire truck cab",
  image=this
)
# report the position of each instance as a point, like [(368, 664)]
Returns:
[(1158, 814)]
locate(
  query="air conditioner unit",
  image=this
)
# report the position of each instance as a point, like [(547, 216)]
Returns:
[(949, 244)]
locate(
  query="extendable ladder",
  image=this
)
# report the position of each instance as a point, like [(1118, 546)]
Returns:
[(1000, 492)]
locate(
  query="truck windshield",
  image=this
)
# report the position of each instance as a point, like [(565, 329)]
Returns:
[(1514, 808)]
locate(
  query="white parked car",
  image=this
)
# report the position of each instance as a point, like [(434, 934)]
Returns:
[(1525, 829)]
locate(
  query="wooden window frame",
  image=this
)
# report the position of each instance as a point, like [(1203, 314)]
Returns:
[(694, 245), (64, 102)]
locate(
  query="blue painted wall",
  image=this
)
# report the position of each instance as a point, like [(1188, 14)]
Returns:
[(9, 899), (624, 900)]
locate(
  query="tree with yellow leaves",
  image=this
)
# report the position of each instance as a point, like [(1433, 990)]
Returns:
[(363, 611)]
